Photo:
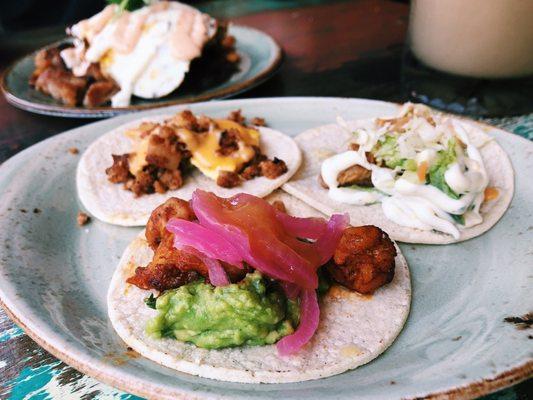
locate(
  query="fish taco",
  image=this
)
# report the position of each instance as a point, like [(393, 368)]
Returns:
[(243, 289), (422, 176)]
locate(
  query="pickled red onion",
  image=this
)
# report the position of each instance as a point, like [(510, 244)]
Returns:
[(291, 290), (211, 244), (250, 224), (217, 274), (304, 228), (328, 241), (309, 317)]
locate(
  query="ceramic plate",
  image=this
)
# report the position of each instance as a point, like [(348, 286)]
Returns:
[(260, 58), (54, 277)]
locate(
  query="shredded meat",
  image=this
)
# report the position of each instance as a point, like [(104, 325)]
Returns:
[(119, 172), (363, 260), (272, 169), (164, 155), (61, 85), (186, 119), (237, 117), (143, 182), (44, 59), (227, 179), (355, 175), (170, 267), (52, 77), (99, 92), (95, 72), (168, 180), (228, 142), (164, 149), (251, 171)]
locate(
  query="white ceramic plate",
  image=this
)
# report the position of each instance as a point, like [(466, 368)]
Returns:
[(54, 277)]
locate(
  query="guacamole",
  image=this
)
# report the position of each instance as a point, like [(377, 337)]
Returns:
[(252, 312)]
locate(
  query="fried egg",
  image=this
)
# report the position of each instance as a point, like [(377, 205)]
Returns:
[(147, 52)]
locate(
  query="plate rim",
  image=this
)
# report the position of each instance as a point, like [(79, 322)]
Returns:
[(116, 378), (148, 390), (107, 112)]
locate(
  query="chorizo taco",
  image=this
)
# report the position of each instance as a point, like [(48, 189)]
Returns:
[(243, 290), (422, 176), (129, 171)]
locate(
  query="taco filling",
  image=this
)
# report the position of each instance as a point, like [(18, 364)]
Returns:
[(239, 271), (136, 49), (421, 166), (225, 150)]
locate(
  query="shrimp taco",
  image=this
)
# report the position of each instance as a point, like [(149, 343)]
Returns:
[(422, 176), (127, 172), (243, 290)]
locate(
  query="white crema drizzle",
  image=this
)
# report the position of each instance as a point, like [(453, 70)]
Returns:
[(405, 200)]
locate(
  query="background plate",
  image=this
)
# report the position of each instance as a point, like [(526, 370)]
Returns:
[(260, 58), (54, 277)]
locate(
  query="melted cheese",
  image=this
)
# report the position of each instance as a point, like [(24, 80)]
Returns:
[(203, 147)]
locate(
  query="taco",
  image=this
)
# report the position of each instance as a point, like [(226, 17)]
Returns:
[(422, 176), (241, 290), (129, 171), (135, 50)]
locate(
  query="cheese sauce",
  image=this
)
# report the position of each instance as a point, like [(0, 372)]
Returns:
[(406, 199)]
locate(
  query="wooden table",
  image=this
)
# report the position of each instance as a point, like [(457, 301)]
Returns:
[(346, 48)]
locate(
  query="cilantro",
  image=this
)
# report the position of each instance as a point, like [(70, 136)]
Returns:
[(150, 301), (460, 219), (324, 281), (129, 5)]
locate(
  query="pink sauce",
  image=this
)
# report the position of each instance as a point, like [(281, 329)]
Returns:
[(186, 37)]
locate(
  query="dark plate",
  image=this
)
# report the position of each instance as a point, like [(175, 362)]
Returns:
[(260, 58)]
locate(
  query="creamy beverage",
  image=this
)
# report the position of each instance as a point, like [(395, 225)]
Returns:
[(474, 38)]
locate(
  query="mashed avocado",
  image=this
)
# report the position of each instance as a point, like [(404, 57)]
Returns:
[(251, 312)]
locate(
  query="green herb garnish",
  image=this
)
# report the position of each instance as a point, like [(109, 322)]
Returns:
[(150, 301), (129, 5), (460, 219)]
